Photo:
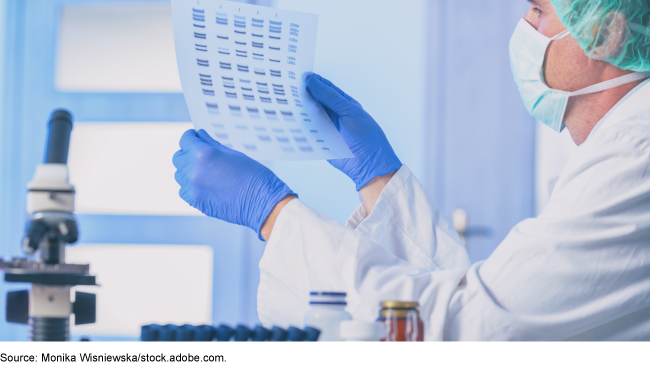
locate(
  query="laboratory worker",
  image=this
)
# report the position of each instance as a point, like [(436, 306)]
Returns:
[(578, 271)]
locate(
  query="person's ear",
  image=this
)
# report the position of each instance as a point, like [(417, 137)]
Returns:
[(610, 37)]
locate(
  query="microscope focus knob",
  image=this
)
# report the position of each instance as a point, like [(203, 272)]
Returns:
[(17, 307), (84, 308)]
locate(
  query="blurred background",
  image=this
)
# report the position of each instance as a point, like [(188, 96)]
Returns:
[(435, 74)]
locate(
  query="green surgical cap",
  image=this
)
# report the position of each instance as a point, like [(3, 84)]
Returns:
[(616, 31)]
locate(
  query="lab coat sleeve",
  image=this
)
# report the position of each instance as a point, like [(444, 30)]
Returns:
[(410, 225), (311, 252), (574, 271), (405, 222)]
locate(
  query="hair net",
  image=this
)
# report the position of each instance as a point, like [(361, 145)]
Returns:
[(616, 31)]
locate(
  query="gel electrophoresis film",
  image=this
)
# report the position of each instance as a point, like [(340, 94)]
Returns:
[(243, 70)]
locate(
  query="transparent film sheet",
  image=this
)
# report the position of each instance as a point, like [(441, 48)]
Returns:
[(243, 70)]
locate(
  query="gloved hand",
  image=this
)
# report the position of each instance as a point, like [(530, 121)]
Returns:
[(226, 184), (373, 155)]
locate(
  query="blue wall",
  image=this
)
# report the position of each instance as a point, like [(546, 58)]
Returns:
[(11, 220)]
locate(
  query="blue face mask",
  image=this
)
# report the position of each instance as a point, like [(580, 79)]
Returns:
[(527, 53)]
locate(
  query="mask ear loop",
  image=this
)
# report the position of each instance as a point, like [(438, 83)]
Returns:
[(610, 84), (561, 35), (565, 33), (613, 83)]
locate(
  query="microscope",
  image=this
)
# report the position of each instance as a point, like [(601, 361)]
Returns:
[(51, 226)]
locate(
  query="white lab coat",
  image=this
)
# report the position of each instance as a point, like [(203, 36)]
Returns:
[(579, 271)]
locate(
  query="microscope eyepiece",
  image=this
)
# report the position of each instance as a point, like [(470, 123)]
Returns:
[(58, 138)]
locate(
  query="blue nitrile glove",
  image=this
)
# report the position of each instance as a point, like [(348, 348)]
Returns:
[(373, 155), (226, 184)]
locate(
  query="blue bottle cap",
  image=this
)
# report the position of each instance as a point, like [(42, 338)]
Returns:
[(278, 334), (242, 333), (204, 333), (185, 333), (296, 335), (168, 333), (150, 333), (261, 334), (312, 334), (223, 333)]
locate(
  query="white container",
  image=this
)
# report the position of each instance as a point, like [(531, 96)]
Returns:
[(326, 312), (360, 331)]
